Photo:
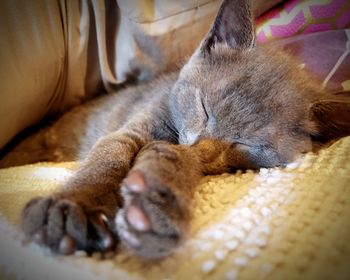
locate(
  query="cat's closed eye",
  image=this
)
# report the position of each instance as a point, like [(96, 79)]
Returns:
[(299, 131), (204, 109)]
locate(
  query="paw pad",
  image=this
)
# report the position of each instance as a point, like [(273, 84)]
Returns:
[(135, 182), (137, 219)]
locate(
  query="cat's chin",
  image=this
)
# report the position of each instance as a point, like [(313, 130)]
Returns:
[(148, 244)]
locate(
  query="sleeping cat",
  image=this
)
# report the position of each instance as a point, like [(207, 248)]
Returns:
[(143, 150)]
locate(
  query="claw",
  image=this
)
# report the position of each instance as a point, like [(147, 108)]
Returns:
[(103, 219), (105, 239), (107, 242)]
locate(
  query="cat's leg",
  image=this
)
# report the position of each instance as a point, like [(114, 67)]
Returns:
[(158, 191), (157, 194), (81, 215)]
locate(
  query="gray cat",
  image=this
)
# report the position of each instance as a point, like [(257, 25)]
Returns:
[(143, 150)]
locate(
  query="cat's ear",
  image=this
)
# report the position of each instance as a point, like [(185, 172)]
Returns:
[(332, 118), (232, 27)]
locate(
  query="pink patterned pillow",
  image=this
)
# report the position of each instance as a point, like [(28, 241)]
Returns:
[(296, 17)]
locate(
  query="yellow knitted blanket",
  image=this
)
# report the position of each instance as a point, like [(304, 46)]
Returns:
[(291, 223)]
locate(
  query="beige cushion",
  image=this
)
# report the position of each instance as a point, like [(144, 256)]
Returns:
[(44, 56), (54, 54), (278, 223)]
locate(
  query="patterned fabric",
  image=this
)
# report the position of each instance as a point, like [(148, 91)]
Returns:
[(324, 54), (315, 32), (302, 17)]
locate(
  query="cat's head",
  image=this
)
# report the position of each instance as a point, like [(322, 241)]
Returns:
[(251, 96)]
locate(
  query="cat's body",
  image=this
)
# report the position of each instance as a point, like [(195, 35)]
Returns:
[(255, 114), (233, 105), (74, 134)]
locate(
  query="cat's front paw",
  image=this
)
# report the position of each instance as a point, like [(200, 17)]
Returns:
[(65, 225), (152, 221)]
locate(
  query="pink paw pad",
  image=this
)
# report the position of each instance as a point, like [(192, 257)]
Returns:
[(131, 238), (135, 182), (137, 219)]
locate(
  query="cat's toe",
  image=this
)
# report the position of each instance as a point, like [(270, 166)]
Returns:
[(150, 224), (67, 245), (100, 237), (40, 237)]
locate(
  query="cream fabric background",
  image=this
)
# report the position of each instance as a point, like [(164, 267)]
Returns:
[(272, 224), (48, 60)]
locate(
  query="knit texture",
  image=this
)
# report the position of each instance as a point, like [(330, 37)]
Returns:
[(279, 223)]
